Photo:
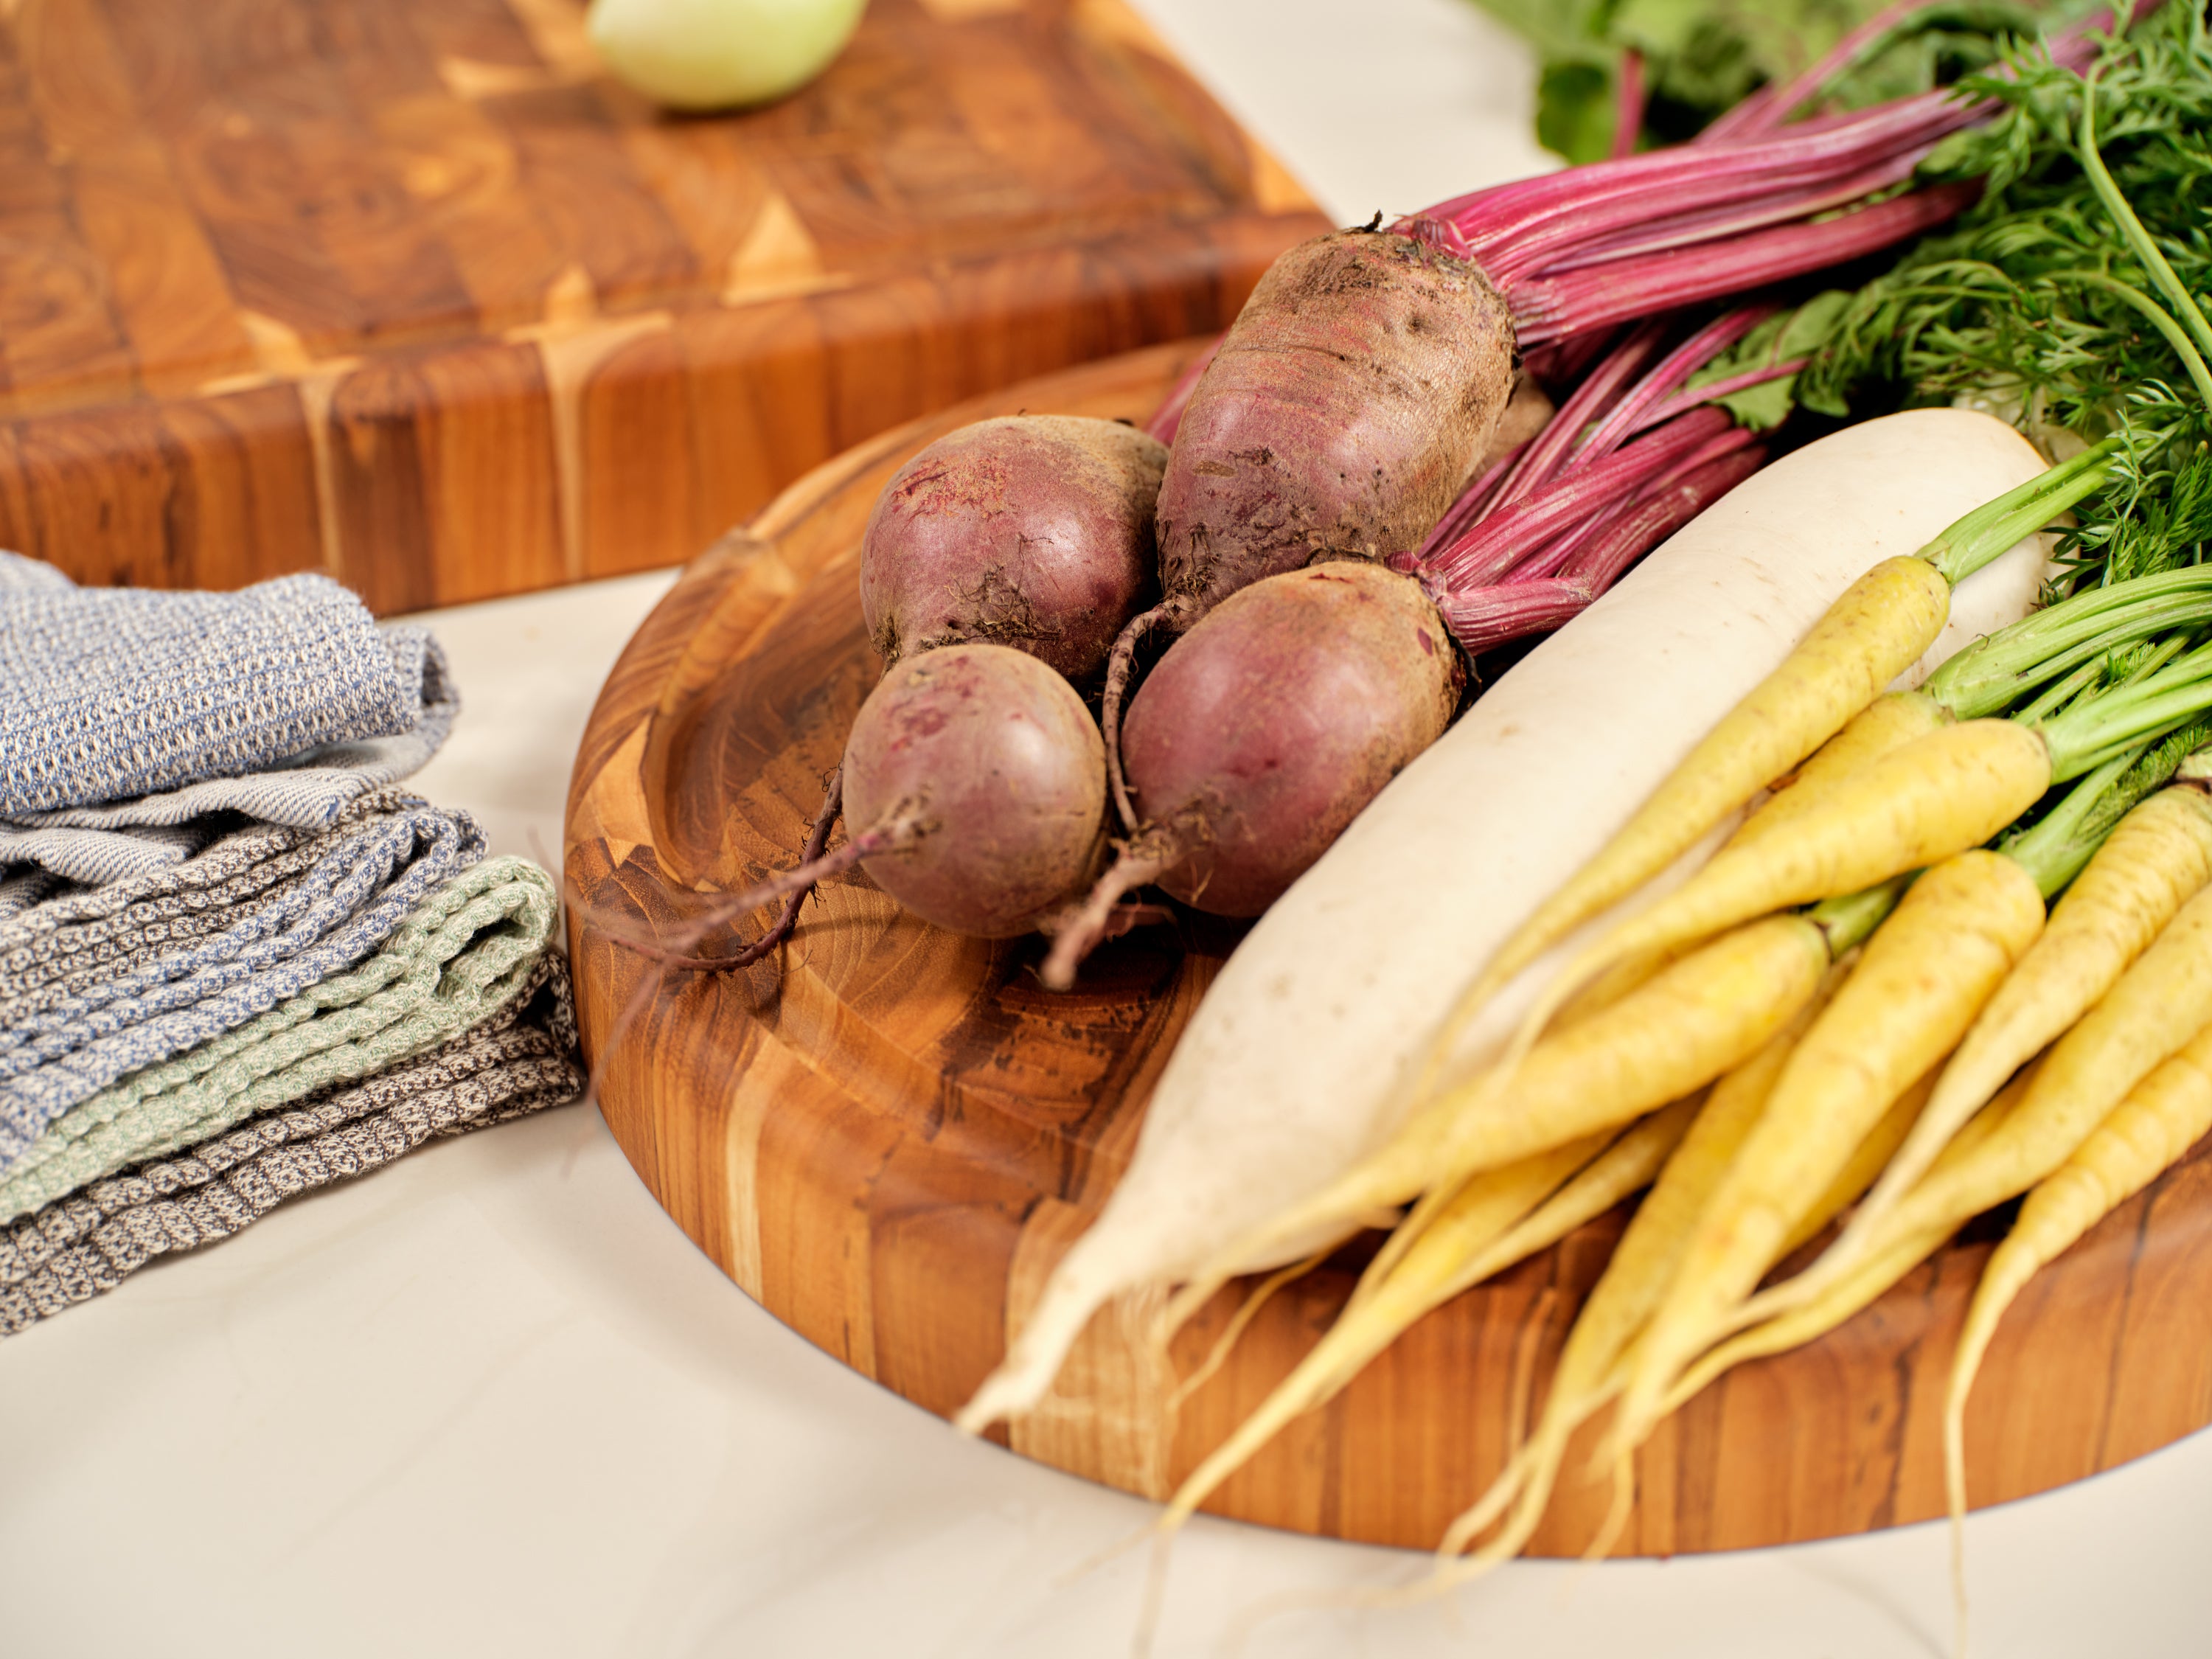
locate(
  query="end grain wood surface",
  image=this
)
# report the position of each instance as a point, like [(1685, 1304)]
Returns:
[(411, 292)]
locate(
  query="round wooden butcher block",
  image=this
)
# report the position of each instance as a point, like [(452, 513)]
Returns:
[(887, 1135)]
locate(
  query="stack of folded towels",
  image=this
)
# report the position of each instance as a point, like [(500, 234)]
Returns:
[(237, 962)]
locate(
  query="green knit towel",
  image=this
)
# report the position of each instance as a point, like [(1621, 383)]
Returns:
[(458, 956)]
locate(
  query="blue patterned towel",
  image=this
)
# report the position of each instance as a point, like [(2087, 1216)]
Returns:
[(97, 984), (111, 693)]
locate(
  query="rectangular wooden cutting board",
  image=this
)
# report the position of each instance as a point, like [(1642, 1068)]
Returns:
[(410, 291)]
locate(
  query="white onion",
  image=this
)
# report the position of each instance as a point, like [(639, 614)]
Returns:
[(719, 54)]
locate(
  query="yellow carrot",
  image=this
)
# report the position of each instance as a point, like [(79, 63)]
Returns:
[(1699, 1019), (1247, 1311), (1873, 632), (1496, 1219), (1877, 629), (1483, 1208), (1194, 1293), (1885, 725), (1642, 1264), (1815, 1318), (1797, 1322), (2158, 857), (1935, 796), (2162, 1002), (1626, 1166), (1918, 986), (2160, 1119), (1595, 1347), (1858, 1171), (1856, 1175)]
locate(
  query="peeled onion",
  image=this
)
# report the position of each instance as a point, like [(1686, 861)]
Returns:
[(718, 54)]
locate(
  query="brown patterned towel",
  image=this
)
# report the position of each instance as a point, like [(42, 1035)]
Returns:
[(523, 1057)]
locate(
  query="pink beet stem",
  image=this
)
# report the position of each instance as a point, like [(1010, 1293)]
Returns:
[(1546, 309), (1631, 415), (1579, 251), (1628, 416), (1628, 105), (1484, 619), (1474, 503), (1633, 210), (1568, 555), (1747, 120), (1529, 235), (1596, 394), (1439, 233), (1555, 554), (1489, 553), (1591, 561), (1603, 196), (1168, 415), (1563, 362), (1651, 235), (1662, 511), (1793, 95), (1487, 214), (1527, 465), (1491, 617), (1713, 171), (2074, 47)]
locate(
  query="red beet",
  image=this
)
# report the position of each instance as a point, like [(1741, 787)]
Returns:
[(974, 794), (1263, 732), (1351, 400), (1033, 531), (995, 759)]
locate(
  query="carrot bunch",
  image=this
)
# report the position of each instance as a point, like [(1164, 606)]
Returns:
[(1833, 1002)]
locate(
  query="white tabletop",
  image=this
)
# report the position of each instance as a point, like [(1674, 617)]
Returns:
[(491, 1401)]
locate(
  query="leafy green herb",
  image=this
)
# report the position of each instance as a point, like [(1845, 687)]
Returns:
[(1780, 339), (1703, 56), (2063, 301), (2069, 301)]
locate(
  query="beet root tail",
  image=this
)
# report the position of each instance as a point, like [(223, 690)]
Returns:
[(1121, 662), (1082, 929), (901, 829), (817, 842)]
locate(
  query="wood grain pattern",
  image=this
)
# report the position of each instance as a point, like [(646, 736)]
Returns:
[(410, 291), (887, 1135)]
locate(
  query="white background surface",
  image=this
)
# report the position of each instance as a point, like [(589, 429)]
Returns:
[(491, 1401)]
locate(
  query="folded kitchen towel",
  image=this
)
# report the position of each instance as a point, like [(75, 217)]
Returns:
[(520, 1059), (282, 702), (100, 984), (109, 692), (464, 950)]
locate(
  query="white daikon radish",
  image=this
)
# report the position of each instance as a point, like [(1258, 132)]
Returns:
[(1291, 1067)]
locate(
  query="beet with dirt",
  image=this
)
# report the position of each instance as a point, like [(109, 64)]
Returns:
[(1263, 732), (1033, 531), (1350, 402), (1354, 397)]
